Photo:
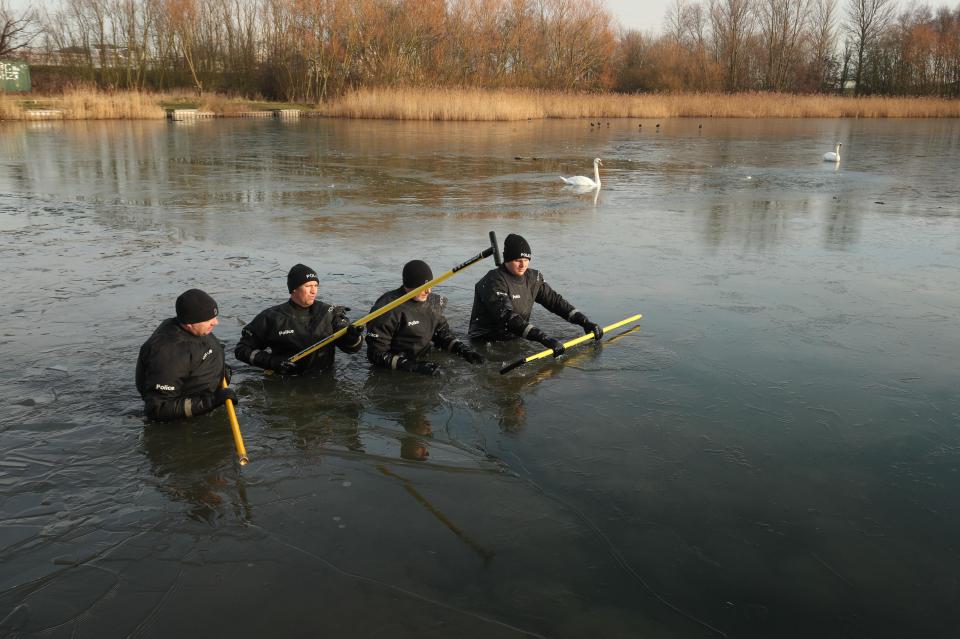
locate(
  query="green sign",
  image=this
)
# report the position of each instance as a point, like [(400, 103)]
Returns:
[(14, 76)]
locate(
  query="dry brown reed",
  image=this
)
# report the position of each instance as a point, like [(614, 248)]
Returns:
[(86, 104), (503, 105), (10, 108), (127, 105), (474, 104)]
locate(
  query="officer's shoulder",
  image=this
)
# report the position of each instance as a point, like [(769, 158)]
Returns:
[(273, 311), (322, 308), (387, 297), (166, 327), (171, 341), (335, 310), (494, 275), (283, 308), (436, 301), (159, 338)]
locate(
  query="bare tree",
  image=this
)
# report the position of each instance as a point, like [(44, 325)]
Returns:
[(732, 22), (183, 17), (822, 36), (705, 77), (782, 26), (866, 20), (578, 45), (676, 21), (17, 29)]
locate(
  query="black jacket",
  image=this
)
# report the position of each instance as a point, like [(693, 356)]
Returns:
[(175, 369), (287, 329), (503, 302), (408, 330)]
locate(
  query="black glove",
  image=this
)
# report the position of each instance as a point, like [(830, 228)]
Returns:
[(428, 368), (353, 334), (200, 404), (267, 360), (588, 326), (221, 395), (467, 353), (472, 356), (283, 365), (596, 329), (554, 344), (413, 366)]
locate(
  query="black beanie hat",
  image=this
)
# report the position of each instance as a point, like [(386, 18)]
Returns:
[(300, 275), (195, 306), (416, 273), (515, 247)]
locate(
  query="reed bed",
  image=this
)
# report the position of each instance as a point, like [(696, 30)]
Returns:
[(84, 104), (127, 105), (473, 104), (90, 104), (491, 105), (10, 108)]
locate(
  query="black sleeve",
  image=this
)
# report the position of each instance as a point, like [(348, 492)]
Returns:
[(164, 375), (164, 409), (252, 345), (380, 337), (554, 302), (443, 337), (496, 298)]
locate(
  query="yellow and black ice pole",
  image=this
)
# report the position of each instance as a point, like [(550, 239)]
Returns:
[(566, 345), (235, 427), (493, 249)]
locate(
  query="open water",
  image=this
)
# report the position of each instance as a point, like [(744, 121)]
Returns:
[(774, 452)]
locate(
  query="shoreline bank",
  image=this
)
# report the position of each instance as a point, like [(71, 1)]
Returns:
[(474, 105)]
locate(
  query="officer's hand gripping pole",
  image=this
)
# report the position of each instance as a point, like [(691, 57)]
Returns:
[(235, 427), (493, 249), (566, 345)]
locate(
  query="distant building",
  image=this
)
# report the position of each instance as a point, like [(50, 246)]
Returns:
[(97, 56)]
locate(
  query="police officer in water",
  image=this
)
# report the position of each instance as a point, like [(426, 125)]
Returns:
[(286, 329), (400, 337), (503, 301), (180, 367)]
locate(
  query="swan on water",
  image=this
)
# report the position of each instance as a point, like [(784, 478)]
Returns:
[(582, 180), (833, 156)]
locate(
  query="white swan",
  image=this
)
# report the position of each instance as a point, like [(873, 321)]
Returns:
[(582, 180), (833, 156)]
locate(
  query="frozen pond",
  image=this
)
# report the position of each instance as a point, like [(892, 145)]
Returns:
[(773, 453)]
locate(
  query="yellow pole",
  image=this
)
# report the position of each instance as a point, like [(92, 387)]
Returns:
[(395, 303), (235, 427), (573, 342)]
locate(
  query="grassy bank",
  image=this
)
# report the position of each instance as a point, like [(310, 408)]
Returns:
[(480, 105)]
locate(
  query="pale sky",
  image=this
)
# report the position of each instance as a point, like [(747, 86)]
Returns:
[(648, 15), (642, 15)]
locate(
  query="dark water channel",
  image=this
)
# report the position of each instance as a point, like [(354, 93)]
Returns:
[(773, 453)]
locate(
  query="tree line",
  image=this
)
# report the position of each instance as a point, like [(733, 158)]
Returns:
[(313, 50)]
